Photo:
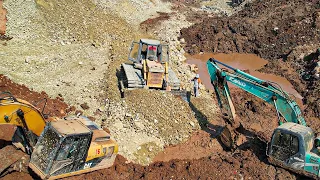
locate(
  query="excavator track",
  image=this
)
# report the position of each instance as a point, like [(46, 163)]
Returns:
[(300, 172), (134, 76)]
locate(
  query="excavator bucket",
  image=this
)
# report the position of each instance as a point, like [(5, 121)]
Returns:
[(226, 138)]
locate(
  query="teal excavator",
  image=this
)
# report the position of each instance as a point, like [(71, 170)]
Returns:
[(293, 144)]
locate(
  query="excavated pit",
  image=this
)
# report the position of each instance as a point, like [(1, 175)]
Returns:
[(271, 29), (250, 63)]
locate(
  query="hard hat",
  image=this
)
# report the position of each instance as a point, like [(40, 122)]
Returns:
[(197, 75)]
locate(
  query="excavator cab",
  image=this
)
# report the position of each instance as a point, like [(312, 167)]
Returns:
[(61, 149), (292, 146), (58, 147)]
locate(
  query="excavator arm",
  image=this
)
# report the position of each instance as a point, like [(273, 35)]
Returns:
[(265, 90), (22, 114), (30, 124)]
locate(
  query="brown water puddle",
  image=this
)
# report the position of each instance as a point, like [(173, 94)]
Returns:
[(249, 62)]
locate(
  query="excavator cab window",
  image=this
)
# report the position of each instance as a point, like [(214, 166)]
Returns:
[(144, 51), (164, 53), (45, 150), (152, 53), (71, 155), (284, 145), (57, 154), (68, 149), (133, 54)]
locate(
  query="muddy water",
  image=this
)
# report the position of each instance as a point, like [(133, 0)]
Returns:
[(248, 62)]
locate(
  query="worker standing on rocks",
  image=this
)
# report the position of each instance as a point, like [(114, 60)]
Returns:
[(196, 85)]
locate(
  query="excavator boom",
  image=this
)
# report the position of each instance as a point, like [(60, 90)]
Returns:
[(265, 90), (21, 113)]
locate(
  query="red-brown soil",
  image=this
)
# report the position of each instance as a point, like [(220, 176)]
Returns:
[(152, 22), (273, 30), (17, 175), (246, 164), (200, 144), (3, 19), (54, 107), (268, 28)]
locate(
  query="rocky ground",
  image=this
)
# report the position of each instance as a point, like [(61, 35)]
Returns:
[(73, 50)]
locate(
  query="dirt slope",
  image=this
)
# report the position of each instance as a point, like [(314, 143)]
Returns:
[(268, 28), (284, 32), (54, 107)]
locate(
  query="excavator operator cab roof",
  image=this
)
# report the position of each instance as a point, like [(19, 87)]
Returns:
[(148, 49), (69, 127), (150, 42), (61, 148), (296, 128)]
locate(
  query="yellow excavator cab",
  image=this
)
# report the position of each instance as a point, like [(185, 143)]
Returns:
[(60, 147), (67, 148)]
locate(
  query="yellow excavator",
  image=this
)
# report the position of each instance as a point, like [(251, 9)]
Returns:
[(57, 147)]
